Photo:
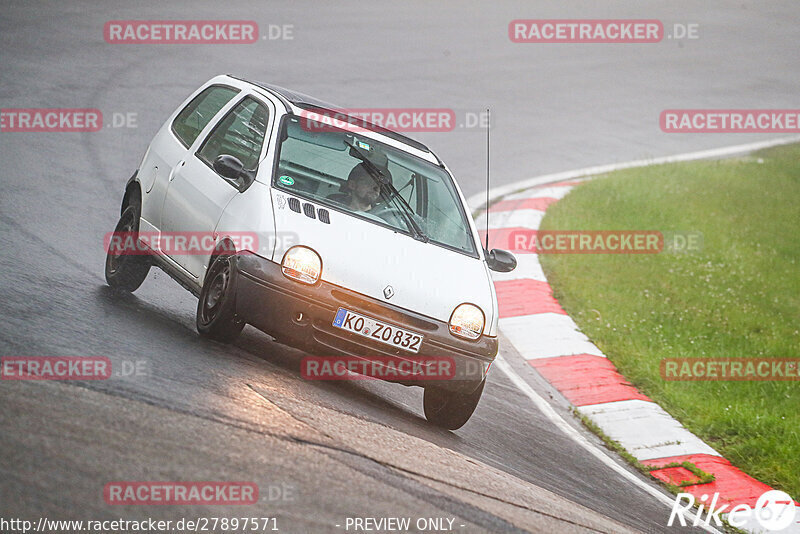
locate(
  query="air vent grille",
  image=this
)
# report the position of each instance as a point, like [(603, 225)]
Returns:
[(309, 210), (294, 204), (324, 216)]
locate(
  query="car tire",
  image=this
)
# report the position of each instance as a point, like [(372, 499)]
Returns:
[(127, 271), (216, 307), (450, 409)]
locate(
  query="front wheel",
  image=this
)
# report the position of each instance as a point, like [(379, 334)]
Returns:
[(216, 309), (126, 270), (450, 409)]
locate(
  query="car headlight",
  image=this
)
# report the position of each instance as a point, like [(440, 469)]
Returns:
[(467, 321), (302, 265)]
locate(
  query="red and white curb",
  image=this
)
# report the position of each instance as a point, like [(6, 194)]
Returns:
[(542, 333)]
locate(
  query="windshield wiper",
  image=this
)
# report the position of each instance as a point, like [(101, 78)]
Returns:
[(386, 185)]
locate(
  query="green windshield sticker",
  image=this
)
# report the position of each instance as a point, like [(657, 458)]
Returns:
[(286, 180)]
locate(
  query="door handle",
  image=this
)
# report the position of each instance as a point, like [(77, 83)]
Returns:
[(175, 169)]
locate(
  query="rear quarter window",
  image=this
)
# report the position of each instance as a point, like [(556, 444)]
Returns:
[(199, 112)]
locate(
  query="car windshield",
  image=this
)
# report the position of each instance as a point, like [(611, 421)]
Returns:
[(326, 164)]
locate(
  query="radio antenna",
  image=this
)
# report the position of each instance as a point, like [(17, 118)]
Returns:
[(488, 121)]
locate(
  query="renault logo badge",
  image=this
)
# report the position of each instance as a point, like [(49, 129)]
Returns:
[(388, 292)]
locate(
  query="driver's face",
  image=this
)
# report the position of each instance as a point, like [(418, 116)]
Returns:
[(366, 190)]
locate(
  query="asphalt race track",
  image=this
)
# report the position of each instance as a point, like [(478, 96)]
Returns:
[(321, 451)]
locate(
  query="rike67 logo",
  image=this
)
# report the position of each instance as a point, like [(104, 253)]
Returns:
[(774, 510)]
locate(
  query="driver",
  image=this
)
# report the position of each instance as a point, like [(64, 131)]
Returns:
[(360, 192)]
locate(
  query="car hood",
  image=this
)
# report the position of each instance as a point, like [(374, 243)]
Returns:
[(367, 257)]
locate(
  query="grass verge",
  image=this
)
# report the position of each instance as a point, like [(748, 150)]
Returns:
[(739, 296)]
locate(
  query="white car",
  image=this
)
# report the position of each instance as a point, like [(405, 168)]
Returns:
[(332, 235)]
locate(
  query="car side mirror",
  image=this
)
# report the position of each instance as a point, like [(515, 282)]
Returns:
[(228, 167), (501, 261)]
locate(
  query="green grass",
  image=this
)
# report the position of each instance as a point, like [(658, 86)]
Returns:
[(739, 296)]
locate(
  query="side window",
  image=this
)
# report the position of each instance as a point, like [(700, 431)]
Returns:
[(240, 134), (197, 113)]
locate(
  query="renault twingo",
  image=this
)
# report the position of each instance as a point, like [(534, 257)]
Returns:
[(360, 241)]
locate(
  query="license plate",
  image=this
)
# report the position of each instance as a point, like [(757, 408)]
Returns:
[(385, 333)]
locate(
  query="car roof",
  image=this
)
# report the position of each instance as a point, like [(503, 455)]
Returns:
[(295, 97), (310, 103)]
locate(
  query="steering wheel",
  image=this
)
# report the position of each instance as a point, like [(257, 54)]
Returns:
[(382, 211), (388, 213)]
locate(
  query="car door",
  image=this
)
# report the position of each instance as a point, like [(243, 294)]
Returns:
[(197, 194), (171, 148)]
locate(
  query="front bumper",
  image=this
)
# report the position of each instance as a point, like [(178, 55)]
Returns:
[(274, 304)]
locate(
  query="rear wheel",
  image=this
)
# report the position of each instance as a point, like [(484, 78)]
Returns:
[(216, 309), (450, 409), (125, 269)]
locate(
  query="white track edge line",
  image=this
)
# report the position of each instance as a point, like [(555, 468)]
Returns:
[(571, 432)]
